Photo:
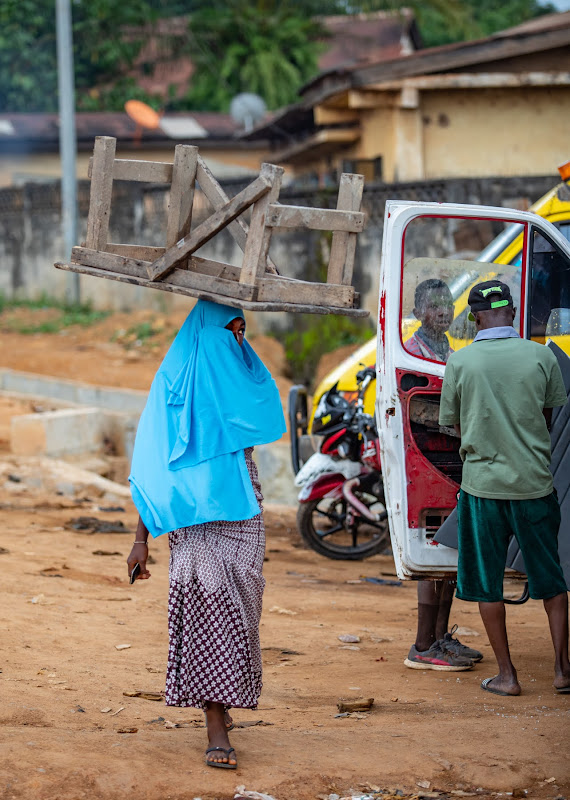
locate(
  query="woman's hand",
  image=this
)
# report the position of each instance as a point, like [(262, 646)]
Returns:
[(139, 553)]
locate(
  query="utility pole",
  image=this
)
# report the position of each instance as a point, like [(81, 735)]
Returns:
[(67, 138)]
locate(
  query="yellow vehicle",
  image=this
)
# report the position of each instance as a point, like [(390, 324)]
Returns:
[(504, 249)]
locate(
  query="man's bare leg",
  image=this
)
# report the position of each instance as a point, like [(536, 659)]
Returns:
[(444, 609), (494, 620), (557, 610)]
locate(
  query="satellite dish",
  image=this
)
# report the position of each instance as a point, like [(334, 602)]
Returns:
[(247, 109), (143, 115)]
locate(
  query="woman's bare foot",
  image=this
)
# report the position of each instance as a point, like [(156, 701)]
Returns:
[(218, 735)]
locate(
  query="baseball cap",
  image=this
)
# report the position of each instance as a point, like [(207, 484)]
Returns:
[(488, 295)]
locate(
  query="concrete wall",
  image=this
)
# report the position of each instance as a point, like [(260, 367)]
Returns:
[(30, 236), (432, 134), (495, 131), (19, 168)]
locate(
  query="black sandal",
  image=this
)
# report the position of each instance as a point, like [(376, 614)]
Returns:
[(220, 764)]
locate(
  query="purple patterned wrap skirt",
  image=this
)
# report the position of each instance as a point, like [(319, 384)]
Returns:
[(214, 608)]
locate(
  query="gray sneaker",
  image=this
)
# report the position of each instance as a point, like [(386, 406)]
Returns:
[(456, 648), (437, 658)]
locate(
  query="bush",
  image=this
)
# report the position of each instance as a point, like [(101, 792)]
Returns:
[(317, 334)]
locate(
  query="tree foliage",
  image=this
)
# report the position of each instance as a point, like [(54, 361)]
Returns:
[(102, 53), (445, 21), (267, 48), (263, 46)]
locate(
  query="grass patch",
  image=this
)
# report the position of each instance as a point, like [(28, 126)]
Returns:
[(315, 335), (139, 334), (54, 315)]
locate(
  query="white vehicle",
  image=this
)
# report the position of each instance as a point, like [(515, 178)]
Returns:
[(421, 466)]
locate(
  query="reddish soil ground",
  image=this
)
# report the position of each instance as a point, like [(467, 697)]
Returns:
[(65, 607)]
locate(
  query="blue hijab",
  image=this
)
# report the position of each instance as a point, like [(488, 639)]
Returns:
[(208, 401)]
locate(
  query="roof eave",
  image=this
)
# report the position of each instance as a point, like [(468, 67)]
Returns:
[(435, 59)]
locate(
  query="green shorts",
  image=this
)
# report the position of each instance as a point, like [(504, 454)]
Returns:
[(484, 529)]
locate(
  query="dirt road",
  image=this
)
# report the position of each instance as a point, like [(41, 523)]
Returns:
[(66, 608)]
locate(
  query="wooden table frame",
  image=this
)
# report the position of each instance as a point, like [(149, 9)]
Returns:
[(257, 285)]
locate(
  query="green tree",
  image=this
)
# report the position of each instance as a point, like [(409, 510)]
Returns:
[(445, 21), (267, 47), (28, 68), (490, 16), (104, 48), (262, 46)]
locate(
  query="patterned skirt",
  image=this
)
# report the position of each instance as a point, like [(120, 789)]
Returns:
[(214, 608)]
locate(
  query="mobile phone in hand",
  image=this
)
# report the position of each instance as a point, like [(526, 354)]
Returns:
[(135, 572)]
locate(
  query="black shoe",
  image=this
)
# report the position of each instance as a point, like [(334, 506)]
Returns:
[(455, 647)]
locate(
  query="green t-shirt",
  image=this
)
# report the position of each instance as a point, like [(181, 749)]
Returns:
[(496, 390)]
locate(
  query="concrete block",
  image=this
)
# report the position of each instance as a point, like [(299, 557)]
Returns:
[(52, 475), (71, 432), (125, 401), (275, 473)]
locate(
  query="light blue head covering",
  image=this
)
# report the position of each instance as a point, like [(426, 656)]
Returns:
[(209, 400)]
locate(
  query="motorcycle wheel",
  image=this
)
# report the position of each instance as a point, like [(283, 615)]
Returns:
[(322, 526)]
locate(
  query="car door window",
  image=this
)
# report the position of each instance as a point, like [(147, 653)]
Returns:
[(436, 283), (549, 289)]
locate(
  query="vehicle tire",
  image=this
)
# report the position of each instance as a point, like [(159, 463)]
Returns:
[(317, 533)]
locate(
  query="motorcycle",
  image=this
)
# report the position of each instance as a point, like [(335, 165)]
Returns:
[(342, 512)]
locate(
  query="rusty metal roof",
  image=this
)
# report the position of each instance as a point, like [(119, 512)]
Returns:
[(40, 131), (546, 32)]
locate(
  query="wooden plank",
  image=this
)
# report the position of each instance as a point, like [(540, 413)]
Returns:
[(206, 266), (216, 268), (179, 218), (109, 261), (140, 251), (317, 219), (204, 232), (143, 171), (247, 305), (343, 246), (101, 191), (209, 283), (283, 290), (259, 236), (181, 278), (218, 198), (479, 80)]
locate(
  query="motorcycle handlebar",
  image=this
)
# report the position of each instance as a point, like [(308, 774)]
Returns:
[(363, 422), (367, 372)]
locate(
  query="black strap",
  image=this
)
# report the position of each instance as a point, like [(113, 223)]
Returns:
[(222, 749)]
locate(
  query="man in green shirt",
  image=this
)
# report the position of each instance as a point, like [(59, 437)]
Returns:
[(499, 393)]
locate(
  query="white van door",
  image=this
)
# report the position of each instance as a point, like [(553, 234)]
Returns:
[(430, 260)]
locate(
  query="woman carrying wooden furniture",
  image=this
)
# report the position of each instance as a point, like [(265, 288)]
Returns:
[(193, 477)]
